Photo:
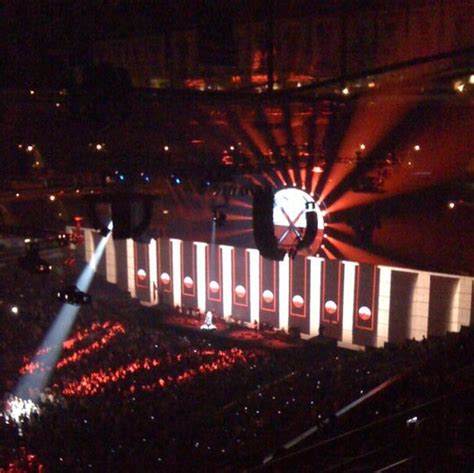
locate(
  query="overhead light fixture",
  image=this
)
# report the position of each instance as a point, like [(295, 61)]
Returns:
[(218, 217), (175, 180), (459, 86)]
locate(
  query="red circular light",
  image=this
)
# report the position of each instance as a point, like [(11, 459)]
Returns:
[(165, 278), (298, 301), (365, 313), (240, 291), (214, 286), (267, 296), (330, 307), (141, 273), (188, 282)]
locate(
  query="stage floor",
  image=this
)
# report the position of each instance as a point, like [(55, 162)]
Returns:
[(263, 338)]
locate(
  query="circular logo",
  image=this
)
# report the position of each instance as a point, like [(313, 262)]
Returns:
[(165, 278), (293, 210), (330, 307), (298, 301), (141, 273), (365, 313), (240, 291), (188, 282), (214, 286), (267, 296)]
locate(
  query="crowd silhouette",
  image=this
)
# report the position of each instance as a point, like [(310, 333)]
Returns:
[(127, 395)]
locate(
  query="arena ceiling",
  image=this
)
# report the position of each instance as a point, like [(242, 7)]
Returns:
[(391, 150)]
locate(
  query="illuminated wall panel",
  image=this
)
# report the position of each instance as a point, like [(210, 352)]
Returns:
[(358, 304), (110, 261), (401, 299), (165, 281), (366, 304), (214, 279), (241, 284), (283, 294), (121, 264), (188, 273), (383, 312), (269, 292), (463, 305), (316, 265), (331, 300), (299, 293), (152, 258), (472, 305), (101, 264), (176, 270), (440, 309), (201, 279), (142, 271), (130, 245), (418, 319), (88, 244), (349, 272), (226, 258), (254, 267)]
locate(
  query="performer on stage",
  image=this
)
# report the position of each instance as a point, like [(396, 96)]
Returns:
[(208, 325)]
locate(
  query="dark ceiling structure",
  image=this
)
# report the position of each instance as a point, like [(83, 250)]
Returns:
[(387, 152)]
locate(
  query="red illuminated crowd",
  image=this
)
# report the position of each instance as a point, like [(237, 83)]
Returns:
[(129, 395)]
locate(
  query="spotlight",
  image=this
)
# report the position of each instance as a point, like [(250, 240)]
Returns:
[(14, 310), (175, 180), (318, 169), (205, 184), (219, 217)]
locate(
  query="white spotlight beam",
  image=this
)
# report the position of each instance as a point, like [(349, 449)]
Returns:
[(31, 385)]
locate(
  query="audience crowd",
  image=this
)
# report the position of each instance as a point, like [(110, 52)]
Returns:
[(127, 395)]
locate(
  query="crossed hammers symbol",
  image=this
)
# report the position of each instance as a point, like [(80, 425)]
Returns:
[(291, 226)]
